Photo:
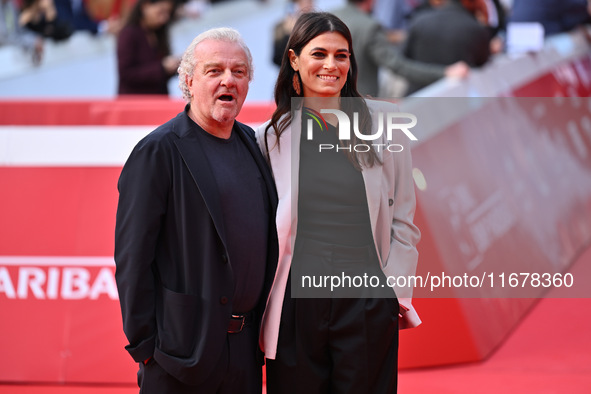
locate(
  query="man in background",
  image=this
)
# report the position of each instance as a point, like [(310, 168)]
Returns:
[(447, 34), (373, 50)]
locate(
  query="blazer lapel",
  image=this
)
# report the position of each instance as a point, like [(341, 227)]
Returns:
[(260, 161), (372, 177), (196, 161), (294, 137), (286, 166)]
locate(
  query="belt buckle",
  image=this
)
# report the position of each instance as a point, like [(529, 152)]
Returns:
[(237, 317)]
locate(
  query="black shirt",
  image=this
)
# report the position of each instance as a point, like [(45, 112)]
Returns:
[(245, 210), (332, 203)]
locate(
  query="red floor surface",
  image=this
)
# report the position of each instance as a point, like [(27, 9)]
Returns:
[(549, 352)]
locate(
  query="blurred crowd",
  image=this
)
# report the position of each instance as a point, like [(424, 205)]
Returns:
[(401, 45), (405, 45), (29, 23)]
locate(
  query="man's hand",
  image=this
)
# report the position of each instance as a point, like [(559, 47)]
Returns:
[(457, 70)]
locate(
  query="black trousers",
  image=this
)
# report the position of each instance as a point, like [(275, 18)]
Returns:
[(335, 345), (237, 371)]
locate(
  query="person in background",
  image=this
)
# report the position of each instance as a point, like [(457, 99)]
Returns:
[(490, 13), (445, 35), (111, 14), (41, 16), (195, 239), (144, 60), (77, 14), (374, 50), (495, 20), (11, 33), (338, 212), (282, 29), (393, 15), (557, 16)]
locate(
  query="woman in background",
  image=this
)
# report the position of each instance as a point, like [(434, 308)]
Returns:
[(282, 29), (339, 212), (144, 61)]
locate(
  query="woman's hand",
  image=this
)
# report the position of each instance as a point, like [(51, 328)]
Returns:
[(171, 64)]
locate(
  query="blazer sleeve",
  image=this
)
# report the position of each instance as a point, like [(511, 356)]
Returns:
[(387, 55), (143, 193), (404, 235)]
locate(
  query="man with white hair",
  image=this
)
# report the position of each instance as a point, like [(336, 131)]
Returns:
[(195, 240)]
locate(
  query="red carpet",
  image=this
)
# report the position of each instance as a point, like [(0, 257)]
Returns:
[(549, 352)]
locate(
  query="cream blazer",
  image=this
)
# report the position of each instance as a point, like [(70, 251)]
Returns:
[(391, 201)]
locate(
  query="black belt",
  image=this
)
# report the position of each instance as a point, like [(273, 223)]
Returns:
[(238, 322)]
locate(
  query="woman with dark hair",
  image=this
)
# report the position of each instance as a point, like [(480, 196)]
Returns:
[(346, 207), (144, 61)]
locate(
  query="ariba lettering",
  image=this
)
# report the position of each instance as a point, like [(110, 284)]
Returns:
[(51, 283)]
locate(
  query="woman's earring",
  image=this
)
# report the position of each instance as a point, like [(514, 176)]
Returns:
[(296, 84)]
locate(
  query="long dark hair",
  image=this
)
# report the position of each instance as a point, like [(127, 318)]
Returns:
[(162, 39), (307, 27)]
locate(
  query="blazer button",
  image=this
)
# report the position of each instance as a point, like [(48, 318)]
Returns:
[(390, 202), (223, 300), (224, 258)]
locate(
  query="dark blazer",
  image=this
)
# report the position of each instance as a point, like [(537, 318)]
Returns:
[(373, 50), (174, 277), (447, 35)]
